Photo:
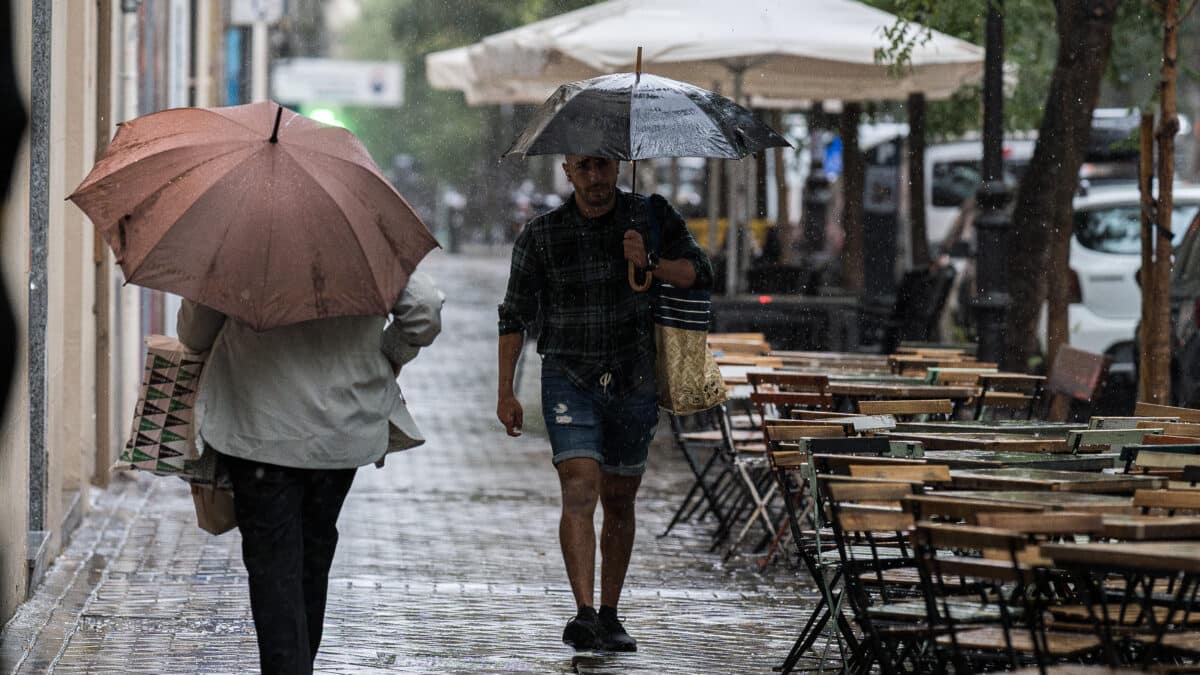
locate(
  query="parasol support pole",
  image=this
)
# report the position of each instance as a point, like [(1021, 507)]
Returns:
[(645, 285), (275, 131), (633, 283)]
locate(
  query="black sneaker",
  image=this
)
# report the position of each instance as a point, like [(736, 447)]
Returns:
[(615, 638), (584, 632)]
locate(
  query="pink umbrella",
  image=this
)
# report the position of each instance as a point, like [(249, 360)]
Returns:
[(256, 211)]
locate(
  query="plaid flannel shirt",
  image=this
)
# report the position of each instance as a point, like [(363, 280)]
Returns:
[(572, 269)]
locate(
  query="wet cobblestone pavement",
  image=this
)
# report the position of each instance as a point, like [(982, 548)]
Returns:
[(448, 560)]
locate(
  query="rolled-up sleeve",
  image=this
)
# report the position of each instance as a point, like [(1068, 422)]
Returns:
[(525, 281), (416, 320), (678, 243), (198, 326)]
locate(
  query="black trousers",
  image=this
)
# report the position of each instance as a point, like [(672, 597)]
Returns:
[(288, 520)]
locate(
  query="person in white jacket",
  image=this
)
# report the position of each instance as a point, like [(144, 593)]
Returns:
[(293, 412)]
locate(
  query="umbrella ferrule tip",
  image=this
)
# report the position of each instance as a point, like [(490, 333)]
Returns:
[(275, 131)]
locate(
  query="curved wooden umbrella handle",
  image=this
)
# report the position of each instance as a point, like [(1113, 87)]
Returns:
[(644, 286)]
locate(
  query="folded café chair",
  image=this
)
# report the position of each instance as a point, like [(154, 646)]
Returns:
[(937, 508), (1147, 409), (701, 451), (1143, 615), (1167, 502), (879, 572), (744, 478), (921, 410), (760, 495), (1008, 396), (1159, 459), (797, 473), (812, 391), (1007, 627), (937, 475), (776, 432)]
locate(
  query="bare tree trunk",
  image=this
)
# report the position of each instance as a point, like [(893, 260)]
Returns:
[(853, 168), (1159, 351), (919, 240), (1058, 297), (1084, 43), (1145, 275)]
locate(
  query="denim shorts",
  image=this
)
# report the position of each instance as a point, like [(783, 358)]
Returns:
[(591, 422)]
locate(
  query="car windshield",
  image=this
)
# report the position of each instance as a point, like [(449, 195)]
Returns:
[(954, 182), (1118, 229)]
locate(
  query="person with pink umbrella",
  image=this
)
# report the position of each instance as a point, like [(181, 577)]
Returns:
[(290, 248)]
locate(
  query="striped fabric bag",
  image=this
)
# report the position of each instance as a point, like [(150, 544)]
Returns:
[(689, 380)]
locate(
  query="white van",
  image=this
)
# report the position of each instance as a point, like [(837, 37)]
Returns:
[(952, 175)]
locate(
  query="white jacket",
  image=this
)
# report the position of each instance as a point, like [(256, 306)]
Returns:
[(315, 395)]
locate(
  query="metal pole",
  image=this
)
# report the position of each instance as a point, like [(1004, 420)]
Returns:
[(714, 206), (129, 59), (102, 293), (126, 338), (816, 193), (733, 210), (916, 181), (258, 61), (749, 203), (714, 197), (40, 106), (202, 96), (993, 226)]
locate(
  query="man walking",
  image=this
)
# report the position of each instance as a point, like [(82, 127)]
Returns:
[(599, 395)]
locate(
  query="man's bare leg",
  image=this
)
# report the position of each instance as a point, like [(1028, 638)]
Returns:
[(617, 495), (580, 480)]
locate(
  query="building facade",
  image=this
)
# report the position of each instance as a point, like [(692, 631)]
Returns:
[(81, 66)]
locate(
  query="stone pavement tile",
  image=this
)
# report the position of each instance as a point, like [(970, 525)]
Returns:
[(448, 559)]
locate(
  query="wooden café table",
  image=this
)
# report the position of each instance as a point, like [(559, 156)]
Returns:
[(1049, 500), (1150, 528), (1018, 478), (984, 441), (853, 391), (833, 360), (999, 459), (739, 374), (1152, 555), (1018, 427)]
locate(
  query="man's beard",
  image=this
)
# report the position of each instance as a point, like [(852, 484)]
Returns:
[(598, 196)]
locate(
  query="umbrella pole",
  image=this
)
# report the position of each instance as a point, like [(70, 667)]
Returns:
[(645, 285)]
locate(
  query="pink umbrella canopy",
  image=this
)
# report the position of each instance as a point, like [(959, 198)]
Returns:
[(256, 211)]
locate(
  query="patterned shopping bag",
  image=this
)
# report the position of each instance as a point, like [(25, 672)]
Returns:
[(163, 437), (689, 380)]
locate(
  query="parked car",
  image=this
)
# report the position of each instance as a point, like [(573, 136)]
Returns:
[(1185, 317), (1106, 249)]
